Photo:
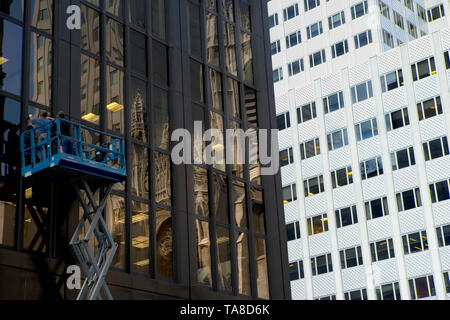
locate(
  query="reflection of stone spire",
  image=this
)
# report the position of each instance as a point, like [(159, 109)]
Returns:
[(138, 117)]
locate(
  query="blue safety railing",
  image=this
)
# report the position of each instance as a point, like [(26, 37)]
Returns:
[(62, 143)]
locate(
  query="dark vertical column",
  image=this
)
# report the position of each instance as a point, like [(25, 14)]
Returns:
[(179, 109), (276, 244)]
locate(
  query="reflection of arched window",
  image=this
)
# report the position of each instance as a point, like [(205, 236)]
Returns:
[(164, 245)]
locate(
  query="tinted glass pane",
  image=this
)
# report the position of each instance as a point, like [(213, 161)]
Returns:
[(11, 57)]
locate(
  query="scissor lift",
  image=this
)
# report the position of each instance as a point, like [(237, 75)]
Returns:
[(59, 152)]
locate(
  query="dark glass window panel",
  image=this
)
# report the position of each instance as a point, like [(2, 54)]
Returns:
[(233, 99), (261, 268), (446, 233), (246, 22), (197, 89), (137, 12), (13, 8), (447, 282), (203, 252), (221, 198), (139, 115), (402, 159), (11, 57), (194, 35), (90, 32), (388, 292), (415, 244), (229, 43), (290, 232), (423, 69), (366, 129), (442, 191), (430, 108), (201, 193), (321, 265), (158, 18), (293, 271), (258, 210), (115, 42), (115, 100), (436, 149), (391, 80), (350, 255), (247, 57), (310, 149), (333, 103), (139, 171), (115, 220), (115, 7), (223, 259), (159, 63), (382, 250), (243, 264), (138, 52), (140, 237), (338, 141), (422, 288), (371, 168), (212, 39), (346, 217), (90, 99), (42, 15), (314, 186), (409, 201), (163, 179), (161, 128), (377, 209), (40, 69), (239, 200), (215, 79), (228, 9), (164, 243), (342, 179)]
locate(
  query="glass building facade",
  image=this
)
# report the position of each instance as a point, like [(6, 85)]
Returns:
[(141, 69)]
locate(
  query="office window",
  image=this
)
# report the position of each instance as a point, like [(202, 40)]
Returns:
[(440, 191), (307, 112), (356, 295), (296, 271), (421, 12), (384, 9), (443, 235), (317, 224), (277, 75), (317, 58), (361, 92), (376, 208), (346, 216), (403, 159), (429, 108), (408, 200), (422, 287), (310, 149), (436, 149), (293, 231), (447, 281), (447, 60), (275, 47), (363, 39), (290, 12), (398, 20), (334, 102), (412, 30), (351, 257), (339, 49), (389, 291), (423, 69), (392, 80), (293, 39), (283, 121), (371, 168), (366, 129), (321, 264), (359, 9), (311, 4), (327, 298), (289, 193), (314, 30), (409, 4), (337, 139), (273, 20), (313, 186), (286, 157), (296, 67), (336, 20), (415, 242), (342, 177), (397, 119), (435, 13), (382, 250)]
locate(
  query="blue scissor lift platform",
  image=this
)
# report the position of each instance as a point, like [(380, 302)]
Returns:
[(64, 152)]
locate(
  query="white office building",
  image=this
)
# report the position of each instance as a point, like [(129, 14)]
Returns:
[(363, 107)]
